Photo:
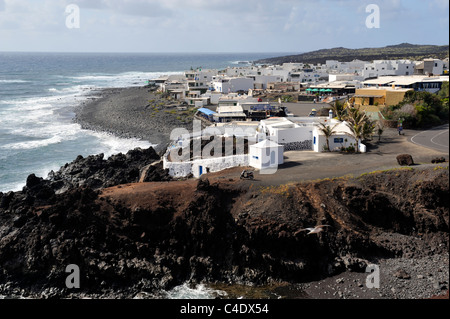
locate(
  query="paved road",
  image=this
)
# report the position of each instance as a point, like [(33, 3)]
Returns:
[(308, 165), (436, 138)]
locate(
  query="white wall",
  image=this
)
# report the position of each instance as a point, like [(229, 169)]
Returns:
[(438, 67), (261, 81), (320, 141), (241, 84), (213, 97), (290, 135), (388, 67), (258, 157), (216, 164)]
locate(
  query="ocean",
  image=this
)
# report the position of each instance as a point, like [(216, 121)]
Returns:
[(38, 95), (39, 92)]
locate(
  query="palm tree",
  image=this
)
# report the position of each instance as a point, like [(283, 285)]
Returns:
[(328, 132), (356, 122), (339, 110), (368, 128)]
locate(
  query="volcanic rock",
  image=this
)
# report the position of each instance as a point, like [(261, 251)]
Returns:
[(405, 160)]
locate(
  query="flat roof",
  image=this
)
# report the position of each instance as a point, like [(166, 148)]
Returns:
[(405, 79), (382, 88), (368, 95), (231, 114), (229, 109), (206, 111)]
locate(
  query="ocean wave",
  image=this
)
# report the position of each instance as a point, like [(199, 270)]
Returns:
[(114, 145), (32, 144), (241, 62), (122, 79), (34, 102), (14, 81), (186, 291)]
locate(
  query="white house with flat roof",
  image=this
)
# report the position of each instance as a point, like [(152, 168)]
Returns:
[(342, 138), (283, 131), (230, 85), (430, 67), (388, 67), (298, 134), (261, 81), (354, 67)]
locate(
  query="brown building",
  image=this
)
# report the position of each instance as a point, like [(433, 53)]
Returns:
[(383, 96)]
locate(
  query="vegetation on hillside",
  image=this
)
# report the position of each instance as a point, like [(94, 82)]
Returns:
[(420, 109), (393, 52)]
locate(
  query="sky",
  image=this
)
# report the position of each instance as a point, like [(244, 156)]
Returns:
[(218, 25)]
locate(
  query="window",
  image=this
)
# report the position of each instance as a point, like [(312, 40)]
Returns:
[(339, 140)]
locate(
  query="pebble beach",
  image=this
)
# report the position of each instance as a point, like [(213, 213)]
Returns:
[(136, 112)]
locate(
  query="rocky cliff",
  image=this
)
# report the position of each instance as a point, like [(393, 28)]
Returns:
[(140, 237)]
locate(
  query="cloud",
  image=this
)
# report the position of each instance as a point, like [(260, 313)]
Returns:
[(145, 8), (221, 25), (29, 16), (441, 4)]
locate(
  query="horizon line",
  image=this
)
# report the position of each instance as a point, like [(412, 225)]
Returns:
[(155, 52)]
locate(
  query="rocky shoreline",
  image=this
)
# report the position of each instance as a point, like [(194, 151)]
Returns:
[(134, 239), (135, 112)]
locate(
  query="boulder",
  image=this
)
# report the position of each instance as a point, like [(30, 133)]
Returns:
[(405, 160), (437, 160)]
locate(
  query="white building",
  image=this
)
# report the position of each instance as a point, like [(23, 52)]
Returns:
[(177, 89), (261, 81), (195, 98), (214, 97), (430, 67), (265, 155), (304, 134), (200, 79), (388, 67), (342, 138), (309, 76), (228, 84), (239, 71), (354, 67), (283, 131), (333, 77)]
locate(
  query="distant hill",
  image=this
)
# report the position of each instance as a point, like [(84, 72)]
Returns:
[(392, 52)]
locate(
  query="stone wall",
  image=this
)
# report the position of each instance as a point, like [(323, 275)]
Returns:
[(298, 146)]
